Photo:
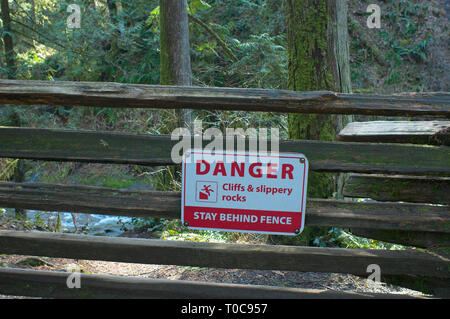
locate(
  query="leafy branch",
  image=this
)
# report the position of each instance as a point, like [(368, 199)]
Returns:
[(216, 36)]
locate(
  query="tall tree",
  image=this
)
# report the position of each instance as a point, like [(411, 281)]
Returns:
[(10, 56), (318, 59), (175, 56), (32, 11)]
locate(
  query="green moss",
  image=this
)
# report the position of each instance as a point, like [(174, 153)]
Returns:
[(308, 71), (33, 262), (164, 43), (116, 182), (307, 46), (52, 173)]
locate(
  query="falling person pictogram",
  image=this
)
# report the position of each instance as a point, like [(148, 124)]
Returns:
[(205, 192)]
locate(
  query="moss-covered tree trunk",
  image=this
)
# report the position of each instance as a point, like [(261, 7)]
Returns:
[(175, 60), (318, 59), (175, 57)]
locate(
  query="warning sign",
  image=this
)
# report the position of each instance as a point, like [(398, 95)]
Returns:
[(244, 191)]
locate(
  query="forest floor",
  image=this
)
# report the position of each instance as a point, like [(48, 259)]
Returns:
[(305, 280), (293, 279)]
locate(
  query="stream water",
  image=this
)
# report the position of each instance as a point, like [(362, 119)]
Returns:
[(92, 224)]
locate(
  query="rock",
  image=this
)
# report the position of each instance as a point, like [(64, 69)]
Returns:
[(100, 234)]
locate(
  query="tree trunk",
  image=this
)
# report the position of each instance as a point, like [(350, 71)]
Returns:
[(33, 12), (318, 59), (175, 50), (112, 10), (10, 56), (339, 64), (92, 4)]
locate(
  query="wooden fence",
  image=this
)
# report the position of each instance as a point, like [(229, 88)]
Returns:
[(411, 181)]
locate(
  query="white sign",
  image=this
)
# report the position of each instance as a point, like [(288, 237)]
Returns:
[(244, 191)]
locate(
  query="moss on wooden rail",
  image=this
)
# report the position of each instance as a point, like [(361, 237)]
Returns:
[(417, 189), (319, 212), (62, 145)]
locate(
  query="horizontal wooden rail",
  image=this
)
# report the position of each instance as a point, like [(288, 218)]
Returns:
[(414, 132), (319, 212), (62, 145), (218, 255), (104, 94), (413, 189), (52, 284)]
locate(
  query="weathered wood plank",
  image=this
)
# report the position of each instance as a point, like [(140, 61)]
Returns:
[(91, 200), (319, 212), (418, 189), (436, 243), (438, 287), (52, 284), (62, 145), (103, 94), (414, 132), (393, 216), (218, 255)]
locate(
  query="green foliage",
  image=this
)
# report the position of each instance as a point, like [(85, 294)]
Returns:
[(390, 59), (195, 5), (262, 62), (7, 167), (174, 230), (338, 237), (23, 223), (145, 224), (123, 46), (103, 49)]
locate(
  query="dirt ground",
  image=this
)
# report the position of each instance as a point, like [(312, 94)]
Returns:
[(311, 280), (293, 279)]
